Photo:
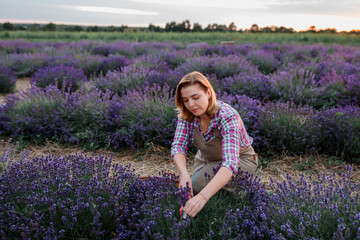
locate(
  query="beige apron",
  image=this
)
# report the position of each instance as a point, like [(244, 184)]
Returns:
[(209, 157)]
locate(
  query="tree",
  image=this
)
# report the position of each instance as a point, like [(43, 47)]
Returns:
[(73, 28), (170, 27), (7, 26), (197, 27), (209, 28), (180, 27), (312, 29), (221, 28), (49, 27), (153, 28), (232, 27), (123, 28), (92, 29), (34, 27), (187, 25), (254, 28)]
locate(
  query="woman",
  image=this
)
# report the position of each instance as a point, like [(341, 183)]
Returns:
[(218, 132)]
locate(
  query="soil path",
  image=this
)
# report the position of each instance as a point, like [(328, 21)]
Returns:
[(21, 84), (156, 159)]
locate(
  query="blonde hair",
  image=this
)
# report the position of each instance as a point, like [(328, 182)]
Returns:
[(192, 79)]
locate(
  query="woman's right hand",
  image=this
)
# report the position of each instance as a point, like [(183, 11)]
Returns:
[(185, 181), (180, 162)]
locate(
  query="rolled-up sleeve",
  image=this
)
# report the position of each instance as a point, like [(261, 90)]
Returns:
[(181, 138), (234, 136)]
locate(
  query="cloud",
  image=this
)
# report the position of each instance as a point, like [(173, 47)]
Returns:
[(111, 10), (227, 4), (346, 8)]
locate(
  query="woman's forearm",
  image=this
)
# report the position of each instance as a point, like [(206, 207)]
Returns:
[(221, 178), (180, 162)]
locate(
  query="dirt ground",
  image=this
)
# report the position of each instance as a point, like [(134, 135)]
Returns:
[(157, 158), (154, 160), (21, 84)]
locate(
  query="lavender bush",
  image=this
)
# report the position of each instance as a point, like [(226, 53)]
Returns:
[(91, 64), (25, 64), (20, 46), (316, 76), (295, 85), (73, 77), (34, 116), (63, 59), (285, 127), (265, 61), (120, 48), (7, 80), (142, 116), (77, 196), (57, 115), (340, 89), (327, 207), (338, 132), (252, 84), (112, 63), (220, 66), (134, 76)]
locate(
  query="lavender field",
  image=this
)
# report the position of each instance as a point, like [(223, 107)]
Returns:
[(295, 98), (298, 99)]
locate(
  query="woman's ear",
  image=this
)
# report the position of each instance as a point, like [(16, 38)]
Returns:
[(209, 93)]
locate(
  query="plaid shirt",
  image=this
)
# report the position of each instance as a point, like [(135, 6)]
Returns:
[(231, 127)]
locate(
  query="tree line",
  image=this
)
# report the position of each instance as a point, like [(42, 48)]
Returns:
[(184, 26)]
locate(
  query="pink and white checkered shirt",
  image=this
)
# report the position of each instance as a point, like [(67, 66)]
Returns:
[(231, 127)]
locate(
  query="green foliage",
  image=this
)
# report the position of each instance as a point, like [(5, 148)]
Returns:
[(184, 38), (213, 216)]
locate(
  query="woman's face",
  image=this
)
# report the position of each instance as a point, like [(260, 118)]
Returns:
[(195, 99)]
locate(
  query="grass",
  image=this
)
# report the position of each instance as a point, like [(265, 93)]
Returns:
[(186, 38)]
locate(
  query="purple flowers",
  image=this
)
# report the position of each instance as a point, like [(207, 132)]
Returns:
[(80, 196), (70, 76), (90, 196), (7, 80), (291, 97)]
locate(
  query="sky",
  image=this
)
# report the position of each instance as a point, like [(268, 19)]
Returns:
[(297, 14)]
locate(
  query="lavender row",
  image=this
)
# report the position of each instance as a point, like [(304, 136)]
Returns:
[(94, 119), (316, 75), (79, 196)]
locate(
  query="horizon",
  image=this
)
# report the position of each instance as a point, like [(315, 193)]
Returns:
[(296, 14), (2, 21)]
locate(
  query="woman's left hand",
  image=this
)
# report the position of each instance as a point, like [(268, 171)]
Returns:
[(194, 205)]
